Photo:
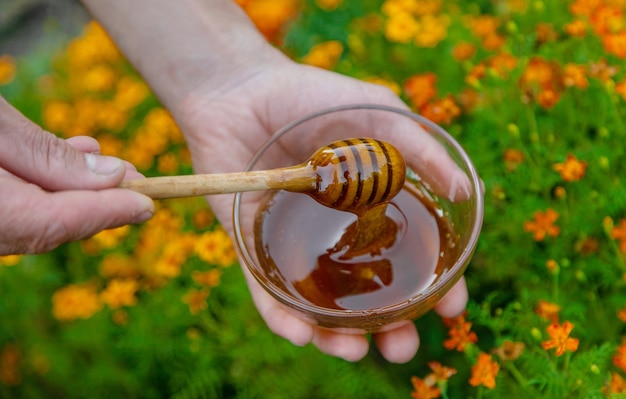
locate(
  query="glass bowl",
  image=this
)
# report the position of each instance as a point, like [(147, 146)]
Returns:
[(285, 239)]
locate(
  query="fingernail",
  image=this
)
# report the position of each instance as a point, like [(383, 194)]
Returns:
[(102, 165), (142, 217)]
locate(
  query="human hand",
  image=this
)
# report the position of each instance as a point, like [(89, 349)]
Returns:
[(55, 191), (226, 121)]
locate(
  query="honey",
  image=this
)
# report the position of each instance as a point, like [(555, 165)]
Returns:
[(336, 260)]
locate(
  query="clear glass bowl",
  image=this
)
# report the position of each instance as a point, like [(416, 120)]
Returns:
[(438, 170)]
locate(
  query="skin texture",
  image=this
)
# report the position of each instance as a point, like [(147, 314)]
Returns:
[(229, 91), (55, 191)]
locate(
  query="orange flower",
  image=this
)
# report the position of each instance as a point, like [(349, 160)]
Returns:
[(560, 339), (607, 19), (584, 7), (210, 278), (572, 169), (463, 51), (620, 88), (10, 364), (615, 44), (619, 358), (512, 158), (460, 332), (545, 33), (540, 72), (7, 69), (575, 76), (621, 314), (509, 350), (324, 55), (484, 25), (548, 310), (493, 42), (619, 233), (196, 299), (501, 64), (75, 302), (120, 292), (602, 71), (547, 98), (543, 224), (484, 372), (421, 88), (617, 384), (442, 111), (440, 373), (422, 390), (576, 28), (328, 5), (270, 16)]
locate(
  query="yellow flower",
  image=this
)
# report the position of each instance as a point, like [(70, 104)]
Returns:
[(196, 299), (99, 78), (8, 69), (216, 248), (110, 238), (324, 55), (401, 27), (432, 30), (10, 260), (120, 292), (57, 116), (129, 93), (210, 278), (174, 256), (120, 266), (75, 302), (393, 7), (167, 164), (110, 145), (390, 84)]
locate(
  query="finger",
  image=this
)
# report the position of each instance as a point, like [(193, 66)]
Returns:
[(90, 145), (277, 317), (400, 344), (455, 300), (42, 158), (131, 172), (350, 347), (84, 144), (35, 221)]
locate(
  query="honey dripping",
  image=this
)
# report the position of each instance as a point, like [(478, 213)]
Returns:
[(363, 252)]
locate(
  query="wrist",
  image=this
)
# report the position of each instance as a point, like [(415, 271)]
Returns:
[(180, 45)]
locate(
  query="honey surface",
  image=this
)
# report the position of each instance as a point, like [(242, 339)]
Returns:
[(324, 256)]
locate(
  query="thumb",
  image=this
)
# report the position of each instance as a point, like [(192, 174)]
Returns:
[(41, 158)]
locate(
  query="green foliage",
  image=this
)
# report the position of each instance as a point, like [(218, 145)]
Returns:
[(158, 348)]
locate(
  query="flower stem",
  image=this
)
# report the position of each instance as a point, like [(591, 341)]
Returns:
[(521, 380)]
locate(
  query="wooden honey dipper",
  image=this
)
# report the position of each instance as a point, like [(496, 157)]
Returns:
[(350, 175)]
